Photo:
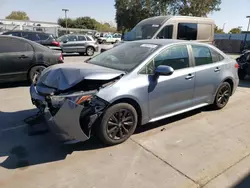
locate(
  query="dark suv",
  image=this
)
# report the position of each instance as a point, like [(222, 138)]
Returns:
[(45, 39)]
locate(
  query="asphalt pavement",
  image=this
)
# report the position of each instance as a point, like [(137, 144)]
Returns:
[(202, 148)]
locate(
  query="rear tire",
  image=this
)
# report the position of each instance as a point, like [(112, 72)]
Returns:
[(118, 124), (222, 96), (90, 51), (35, 73), (241, 74)]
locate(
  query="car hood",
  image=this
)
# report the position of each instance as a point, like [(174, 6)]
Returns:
[(65, 76)]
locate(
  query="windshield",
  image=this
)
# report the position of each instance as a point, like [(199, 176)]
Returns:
[(124, 57), (146, 29)]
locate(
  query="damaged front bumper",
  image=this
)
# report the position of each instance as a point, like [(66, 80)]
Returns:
[(72, 122)]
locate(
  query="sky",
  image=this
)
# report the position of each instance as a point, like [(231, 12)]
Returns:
[(233, 12)]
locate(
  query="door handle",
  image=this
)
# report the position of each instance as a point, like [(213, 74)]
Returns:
[(217, 69), (189, 76), (23, 57)]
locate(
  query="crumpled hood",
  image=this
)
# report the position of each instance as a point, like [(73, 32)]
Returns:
[(65, 76)]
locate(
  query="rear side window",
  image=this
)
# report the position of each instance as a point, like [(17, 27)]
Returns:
[(216, 56), (89, 38), (43, 36), (8, 45), (187, 31), (166, 32), (17, 34), (31, 36), (202, 55), (81, 38)]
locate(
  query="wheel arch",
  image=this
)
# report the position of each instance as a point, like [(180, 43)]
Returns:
[(133, 103), (34, 65), (230, 81)]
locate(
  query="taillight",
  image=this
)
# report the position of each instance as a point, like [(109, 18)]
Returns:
[(61, 58), (56, 43), (236, 65)]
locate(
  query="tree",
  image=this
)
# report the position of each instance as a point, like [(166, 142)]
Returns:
[(198, 8), (218, 30), (235, 30), (130, 12), (86, 23), (18, 15)]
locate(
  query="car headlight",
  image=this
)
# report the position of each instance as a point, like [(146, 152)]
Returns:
[(78, 98)]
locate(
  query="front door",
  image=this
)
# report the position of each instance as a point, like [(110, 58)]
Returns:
[(208, 67), (170, 94), (69, 44), (16, 56)]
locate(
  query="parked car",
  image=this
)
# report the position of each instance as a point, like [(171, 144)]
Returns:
[(244, 63), (82, 44), (133, 84), (199, 29), (109, 39), (45, 39), (22, 59)]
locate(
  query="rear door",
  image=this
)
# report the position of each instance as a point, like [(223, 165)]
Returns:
[(16, 56), (81, 43), (208, 65)]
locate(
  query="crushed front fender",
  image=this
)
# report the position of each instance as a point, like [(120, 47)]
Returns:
[(73, 122)]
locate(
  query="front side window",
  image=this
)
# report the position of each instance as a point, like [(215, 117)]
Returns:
[(187, 31), (10, 45), (166, 32), (176, 57), (72, 38), (202, 55)]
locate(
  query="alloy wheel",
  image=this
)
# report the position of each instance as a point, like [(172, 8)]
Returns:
[(223, 95), (90, 51), (35, 74), (120, 124)]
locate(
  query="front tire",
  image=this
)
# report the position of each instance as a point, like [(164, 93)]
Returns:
[(35, 73), (223, 95), (118, 124)]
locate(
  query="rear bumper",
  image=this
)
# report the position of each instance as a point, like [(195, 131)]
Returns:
[(55, 48)]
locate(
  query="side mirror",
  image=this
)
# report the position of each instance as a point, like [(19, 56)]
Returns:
[(65, 41), (164, 70)]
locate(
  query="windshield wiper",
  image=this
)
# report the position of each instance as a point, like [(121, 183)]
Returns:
[(86, 61)]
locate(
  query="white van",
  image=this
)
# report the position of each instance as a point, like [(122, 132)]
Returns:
[(199, 29), (173, 27)]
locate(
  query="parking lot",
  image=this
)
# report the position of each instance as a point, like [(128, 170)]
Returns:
[(202, 148)]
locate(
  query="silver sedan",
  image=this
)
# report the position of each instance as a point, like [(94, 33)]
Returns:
[(133, 84)]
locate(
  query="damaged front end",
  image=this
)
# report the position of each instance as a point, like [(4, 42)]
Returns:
[(67, 96), (70, 116)]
